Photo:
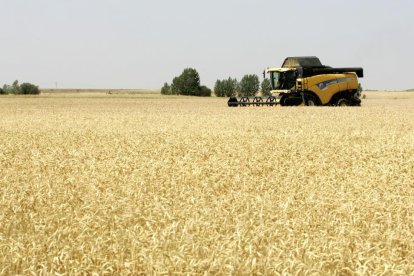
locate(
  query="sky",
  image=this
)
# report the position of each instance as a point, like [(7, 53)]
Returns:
[(142, 44)]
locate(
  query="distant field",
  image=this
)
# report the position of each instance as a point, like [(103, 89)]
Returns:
[(389, 99), (130, 183), (100, 91)]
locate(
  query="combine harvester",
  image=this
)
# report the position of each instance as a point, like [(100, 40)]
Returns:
[(305, 81)]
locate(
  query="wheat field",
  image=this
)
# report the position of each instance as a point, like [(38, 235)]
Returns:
[(143, 184)]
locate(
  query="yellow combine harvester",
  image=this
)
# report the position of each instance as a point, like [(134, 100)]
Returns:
[(305, 81)]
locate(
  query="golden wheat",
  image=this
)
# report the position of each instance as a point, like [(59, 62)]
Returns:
[(125, 184)]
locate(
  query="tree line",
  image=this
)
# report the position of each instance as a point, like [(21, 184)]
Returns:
[(20, 89), (188, 83), (248, 86)]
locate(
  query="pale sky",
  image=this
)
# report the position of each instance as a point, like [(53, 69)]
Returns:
[(142, 44)]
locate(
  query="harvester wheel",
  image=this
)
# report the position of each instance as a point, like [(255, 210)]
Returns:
[(282, 100), (286, 100), (343, 102), (311, 100)]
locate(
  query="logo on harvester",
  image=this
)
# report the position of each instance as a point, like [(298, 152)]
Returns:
[(324, 85)]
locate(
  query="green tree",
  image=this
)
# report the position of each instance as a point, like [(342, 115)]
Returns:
[(16, 88), (218, 88), (7, 89), (189, 82), (266, 87), (175, 86), (226, 88), (249, 85), (2, 92), (204, 91), (28, 88), (231, 87), (166, 89), (12, 89)]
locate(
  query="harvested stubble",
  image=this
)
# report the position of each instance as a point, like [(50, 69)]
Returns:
[(129, 185)]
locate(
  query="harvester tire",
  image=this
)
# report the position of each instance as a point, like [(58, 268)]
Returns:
[(283, 100), (311, 100), (290, 101), (343, 102)]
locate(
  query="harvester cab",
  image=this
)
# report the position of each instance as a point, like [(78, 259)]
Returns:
[(305, 81)]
